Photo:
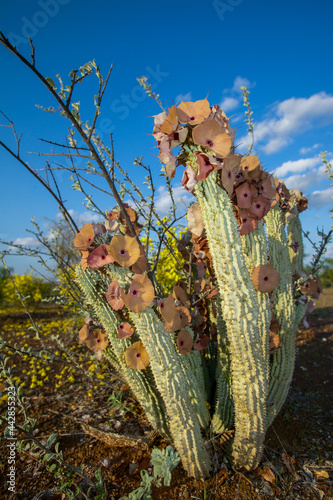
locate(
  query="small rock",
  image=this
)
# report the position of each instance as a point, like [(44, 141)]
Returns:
[(132, 468)]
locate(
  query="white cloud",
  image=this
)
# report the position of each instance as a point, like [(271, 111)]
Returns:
[(88, 217), (241, 82), (84, 217), (163, 202), (28, 241), (183, 97), (296, 166), (305, 182), (319, 199), (233, 100), (229, 103), (305, 151), (290, 118)]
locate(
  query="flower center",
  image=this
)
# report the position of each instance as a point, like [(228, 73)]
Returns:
[(265, 278), (121, 326), (192, 118), (98, 341), (134, 292), (181, 342), (245, 219), (103, 257), (209, 143), (245, 195), (258, 205), (138, 355), (122, 251)]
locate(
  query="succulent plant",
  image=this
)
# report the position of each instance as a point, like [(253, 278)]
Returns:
[(214, 359)]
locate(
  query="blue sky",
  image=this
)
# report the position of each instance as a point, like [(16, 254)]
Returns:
[(280, 49)]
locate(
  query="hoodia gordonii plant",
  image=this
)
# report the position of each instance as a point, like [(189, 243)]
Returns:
[(215, 358)]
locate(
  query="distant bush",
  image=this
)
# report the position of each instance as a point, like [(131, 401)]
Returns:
[(31, 288), (326, 275)]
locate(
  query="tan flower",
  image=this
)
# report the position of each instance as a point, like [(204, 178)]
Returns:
[(202, 268), (174, 317), (207, 164), (249, 163), (179, 293), (265, 278), (189, 179), (221, 118), (84, 259), (133, 216), (193, 112), (199, 317), (177, 137), (170, 123), (260, 206), (245, 193), (100, 257), (312, 287), (211, 135), (165, 123), (195, 221), (84, 239), (158, 120), (168, 308), (184, 342), (125, 250), (113, 296), (302, 202), (136, 356), (248, 222), (140, 295), (111, 225), (267, 188), (125, 330), (184, 316), (84, 333), (282, 189), (199, 286), (97, 340), (201, 342), (168, 158), (231, 168), (141, 264)]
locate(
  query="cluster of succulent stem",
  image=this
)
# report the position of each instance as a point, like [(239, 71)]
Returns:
[(233, 383)]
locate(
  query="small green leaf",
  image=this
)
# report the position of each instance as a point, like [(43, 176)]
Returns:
[(50, 82)]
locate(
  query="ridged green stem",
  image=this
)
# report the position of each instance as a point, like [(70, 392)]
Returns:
[(255, 252), (240, 312), (196, 390), (143, 389), (295, 235), (175, 391), (282, 366)]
